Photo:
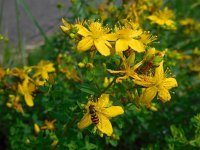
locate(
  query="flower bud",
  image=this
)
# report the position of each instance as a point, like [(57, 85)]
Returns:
[(36, 128), (9, 105), (72, 35), (81, 65), (89, 66), (156, 61)]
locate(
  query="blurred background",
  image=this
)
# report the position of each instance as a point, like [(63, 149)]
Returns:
[(18, 15), (28, 21)]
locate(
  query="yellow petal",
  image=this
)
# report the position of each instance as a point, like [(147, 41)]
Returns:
[(121, 45), (85, 121), (145, 81), (159, 72), (136, 45), (110, 37), (29, 99), (82, 30), (95, 26), (85, 44), (50, 67), (101, 47), (20, 89), (66, 24), (104, 125), (153, 18), (103, 100), (64, 29), (164, 95), (169, 83), (113, 111), (148, 94), (45, 75), (136, 33), (169, 22)]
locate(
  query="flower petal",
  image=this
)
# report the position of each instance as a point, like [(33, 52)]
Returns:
[(113, 111), (66, 24), (45, 75), (169, 83), (103, 100), (164, 95), (104, 125), (28, 99), (85, 121), (101, 47), (85, 44), (136, 45), (159, 72), (143, 80), (148, 94), (153, 18), (82, 30), (64, 29), (121, 45), (110, 37)]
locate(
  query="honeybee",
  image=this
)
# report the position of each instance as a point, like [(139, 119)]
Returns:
[(93, 114)]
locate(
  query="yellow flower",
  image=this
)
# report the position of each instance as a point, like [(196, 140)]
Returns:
[(128, 71), (158, 83), (70, 73), (147, 38), (13, 102), (190, 25), (67, 26), (27, 90), (163, 18), (43, 68), (27, 87), (174, 54), (49, 125), (127, 37), (97, 36), (187, 22), (21, 74), (103, 112)]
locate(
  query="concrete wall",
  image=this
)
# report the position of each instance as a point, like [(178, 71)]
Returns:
[(45, 11)]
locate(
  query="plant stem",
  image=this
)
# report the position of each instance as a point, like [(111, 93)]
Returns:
[(104, 90), (34, 20), (19, 37)]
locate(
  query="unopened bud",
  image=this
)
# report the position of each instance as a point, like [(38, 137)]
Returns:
[(27, 141), (81, 65), (89, 66), (74, 30), (157, 60), (36, 128), (72, 35), (9, 105)]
